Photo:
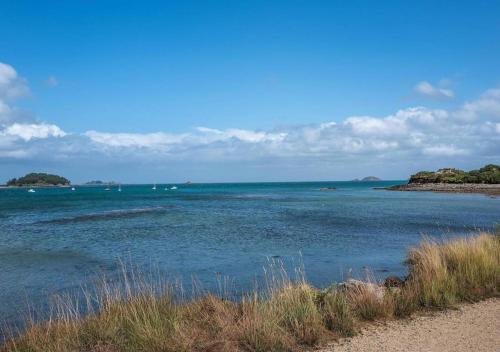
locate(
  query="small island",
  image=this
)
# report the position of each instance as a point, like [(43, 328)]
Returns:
[(370, 179), (485, 180), (100, 183), (367, 179), (95, 183), (38, 180)]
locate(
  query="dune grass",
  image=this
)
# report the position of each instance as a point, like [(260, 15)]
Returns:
[(290, 315)]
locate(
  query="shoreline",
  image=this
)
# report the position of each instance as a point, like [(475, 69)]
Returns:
[(290, 315), (487, 189), (35, 186), (469, 327)]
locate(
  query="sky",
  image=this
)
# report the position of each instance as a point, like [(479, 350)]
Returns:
[(247, 91)]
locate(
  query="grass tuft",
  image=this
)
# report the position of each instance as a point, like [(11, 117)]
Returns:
[(136, 315)]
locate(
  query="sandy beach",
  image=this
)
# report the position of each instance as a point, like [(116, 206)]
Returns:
[(472, 327)]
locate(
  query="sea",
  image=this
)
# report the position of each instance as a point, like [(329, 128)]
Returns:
[(57, 239)]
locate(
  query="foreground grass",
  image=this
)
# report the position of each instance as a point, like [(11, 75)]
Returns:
[(289, 316)]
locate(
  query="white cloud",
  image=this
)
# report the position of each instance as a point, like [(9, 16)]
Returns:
[(427, 89), (212, 134), (372, 126), (5, 112), (17, 128), (414, 134), (165, 141), (28, 132), (487, 106), (146, 140), (11, 85)]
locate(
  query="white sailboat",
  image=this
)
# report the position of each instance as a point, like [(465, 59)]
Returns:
[(73, 188), (173, 187), (154, 187), (120, 187), (31, 190)]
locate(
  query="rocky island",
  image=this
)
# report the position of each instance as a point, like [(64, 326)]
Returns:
[(367, 179), (38, 180), (485, 180), (100, 183)]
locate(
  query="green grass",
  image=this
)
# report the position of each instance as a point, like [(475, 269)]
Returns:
[(290, 315)]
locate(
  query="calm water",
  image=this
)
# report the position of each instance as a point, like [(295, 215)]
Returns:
[(55, 239)]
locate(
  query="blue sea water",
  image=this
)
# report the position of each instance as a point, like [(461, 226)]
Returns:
[(56, 239)]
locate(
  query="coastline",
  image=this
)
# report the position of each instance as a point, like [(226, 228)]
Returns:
[(34, 186), (469, 327), (289, 316), (488, 189)]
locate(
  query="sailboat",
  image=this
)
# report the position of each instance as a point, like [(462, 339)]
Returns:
[(120, 187), (173, 187), (73, 188), (154, 187), (31, 190)]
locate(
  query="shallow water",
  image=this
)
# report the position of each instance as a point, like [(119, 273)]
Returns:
[(57, 239)]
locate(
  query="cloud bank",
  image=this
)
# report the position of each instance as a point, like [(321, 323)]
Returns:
[(467, 134)]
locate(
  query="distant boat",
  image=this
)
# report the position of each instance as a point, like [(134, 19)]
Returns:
[(107, 189), (173, 187), (154, 187), (31, 190), (119, 188), (73, 188)]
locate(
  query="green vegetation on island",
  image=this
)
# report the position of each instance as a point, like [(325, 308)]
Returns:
[(38, 179), (290, 316), (489, 174)]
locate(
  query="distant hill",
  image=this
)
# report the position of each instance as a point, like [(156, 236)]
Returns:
[(98, 183), (39, 179), (370, 178), (487, 174), (367, 179)]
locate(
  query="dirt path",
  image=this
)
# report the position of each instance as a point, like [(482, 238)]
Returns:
[(474, 327)]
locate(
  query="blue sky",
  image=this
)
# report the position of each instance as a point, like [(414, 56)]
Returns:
[(283, 90)]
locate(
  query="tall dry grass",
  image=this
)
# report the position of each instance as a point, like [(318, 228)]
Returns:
[(289, 316), (463, 269)]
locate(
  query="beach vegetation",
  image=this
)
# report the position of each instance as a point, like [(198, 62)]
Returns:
[(289, 315), (488, 174)]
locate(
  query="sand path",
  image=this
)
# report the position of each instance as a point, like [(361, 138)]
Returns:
[(473, 327)]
